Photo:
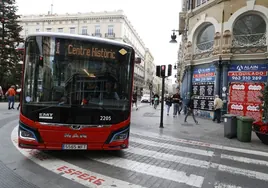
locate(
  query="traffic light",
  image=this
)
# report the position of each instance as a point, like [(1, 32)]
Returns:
[(41, 61), (163, 70), (169, 70), (158, 70)]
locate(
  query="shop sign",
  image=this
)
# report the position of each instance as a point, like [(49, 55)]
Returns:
[(204, 74), (244, 99), (246, 73)]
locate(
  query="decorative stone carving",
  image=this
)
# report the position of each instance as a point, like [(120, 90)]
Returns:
[(188, 54), (227, 42), (216, 47)]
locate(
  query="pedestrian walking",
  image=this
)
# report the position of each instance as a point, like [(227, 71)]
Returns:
[(177, 102), (134, 100), (168, 103), (11, 93), (218, 104), (190, 110)]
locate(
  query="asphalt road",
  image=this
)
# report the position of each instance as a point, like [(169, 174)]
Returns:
[(178, 156)]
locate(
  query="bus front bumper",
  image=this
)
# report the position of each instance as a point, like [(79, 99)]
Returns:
[(51, 140)]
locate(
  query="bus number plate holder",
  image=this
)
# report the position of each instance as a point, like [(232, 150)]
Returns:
[(74, 146)]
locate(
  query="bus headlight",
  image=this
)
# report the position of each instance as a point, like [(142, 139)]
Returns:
[(25, 134), (120, 136)]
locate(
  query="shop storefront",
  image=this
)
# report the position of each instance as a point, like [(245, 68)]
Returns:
[(245, 84), (203, 83)]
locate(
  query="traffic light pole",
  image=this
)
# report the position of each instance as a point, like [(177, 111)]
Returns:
[(162, 102), (161, 72)]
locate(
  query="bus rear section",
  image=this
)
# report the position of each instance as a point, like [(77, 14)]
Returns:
[(76, 93)]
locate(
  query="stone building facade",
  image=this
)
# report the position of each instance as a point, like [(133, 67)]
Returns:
[(224, 42)]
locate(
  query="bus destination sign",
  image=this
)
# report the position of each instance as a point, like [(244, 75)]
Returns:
[(91, 52)]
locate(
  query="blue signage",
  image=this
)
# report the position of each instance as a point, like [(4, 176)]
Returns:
[(204, 74), (252, 67), (247, 73)]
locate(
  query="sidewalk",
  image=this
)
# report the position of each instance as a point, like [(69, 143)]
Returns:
[(148, 119)]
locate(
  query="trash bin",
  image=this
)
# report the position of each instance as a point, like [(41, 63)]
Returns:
[(230, 125), (244, 128)]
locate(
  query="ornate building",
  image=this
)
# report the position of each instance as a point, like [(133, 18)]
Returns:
[(221, 39)]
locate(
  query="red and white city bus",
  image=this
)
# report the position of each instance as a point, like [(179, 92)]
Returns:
[(76, 93)]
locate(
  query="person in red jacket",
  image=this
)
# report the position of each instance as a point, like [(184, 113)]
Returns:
[(11, 93)]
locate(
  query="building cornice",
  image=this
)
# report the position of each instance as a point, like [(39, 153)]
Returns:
[(202, 8), (134, 31), (67, 18)]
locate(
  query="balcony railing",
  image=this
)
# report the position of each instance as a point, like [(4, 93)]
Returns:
[(204, 47), (96, 34), (109, 35), (249, 40)]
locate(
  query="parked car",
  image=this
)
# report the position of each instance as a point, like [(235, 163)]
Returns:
[(145, 98)]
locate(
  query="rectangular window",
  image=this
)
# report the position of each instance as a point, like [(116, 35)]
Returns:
[(72, 30), (97, 29), (84, 30), (110, 29), (49, 29), (198, 3), (60, 30)]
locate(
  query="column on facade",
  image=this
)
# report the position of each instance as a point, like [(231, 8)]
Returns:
[(189, 74), (217, 82), (225, 66)]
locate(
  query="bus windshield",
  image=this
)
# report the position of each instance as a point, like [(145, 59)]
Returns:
[(72, 77)]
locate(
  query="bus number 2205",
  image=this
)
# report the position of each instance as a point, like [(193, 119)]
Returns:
[(105, 118)]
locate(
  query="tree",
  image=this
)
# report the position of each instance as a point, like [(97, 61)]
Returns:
[(9, 40)]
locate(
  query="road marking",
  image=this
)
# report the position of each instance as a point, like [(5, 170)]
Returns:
[(169, 157), (199, 163), (165, 173), (245, 160), (239, 171), (173, 147), (196, 143), (68, 170), (223, 185)]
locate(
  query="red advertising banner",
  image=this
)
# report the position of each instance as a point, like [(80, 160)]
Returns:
[(244, 99)]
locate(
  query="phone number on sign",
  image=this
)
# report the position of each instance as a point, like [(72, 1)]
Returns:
[(247, 78)]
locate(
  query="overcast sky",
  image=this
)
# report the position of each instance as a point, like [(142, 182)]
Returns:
[(153, 20)]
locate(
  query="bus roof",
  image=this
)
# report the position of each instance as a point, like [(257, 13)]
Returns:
[(79, 37)]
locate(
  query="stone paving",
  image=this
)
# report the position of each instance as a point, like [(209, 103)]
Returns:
[(178, 156)]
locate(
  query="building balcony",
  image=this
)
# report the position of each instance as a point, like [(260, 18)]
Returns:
[(250, 43), (96, 34), (110, 35), (203, 50)]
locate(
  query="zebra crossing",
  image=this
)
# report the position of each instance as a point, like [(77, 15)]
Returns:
[(158, 161)]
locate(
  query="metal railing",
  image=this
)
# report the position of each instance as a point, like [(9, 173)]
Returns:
[(109, 35), (96, 34), (249, 40), (204, 47)]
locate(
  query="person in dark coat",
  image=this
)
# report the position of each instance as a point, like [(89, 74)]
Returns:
[(190, 110), (168, 103), (135, 100)]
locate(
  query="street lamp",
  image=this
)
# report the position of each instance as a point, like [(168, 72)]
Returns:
[(174, 36)]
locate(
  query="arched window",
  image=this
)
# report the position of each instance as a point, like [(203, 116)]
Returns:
[(205, 38), (249, 29)]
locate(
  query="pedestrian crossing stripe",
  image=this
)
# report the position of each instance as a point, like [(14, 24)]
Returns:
[(146, 149), (197, 143)]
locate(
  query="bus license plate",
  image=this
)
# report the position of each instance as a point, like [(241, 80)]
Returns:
[(74, 146)]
